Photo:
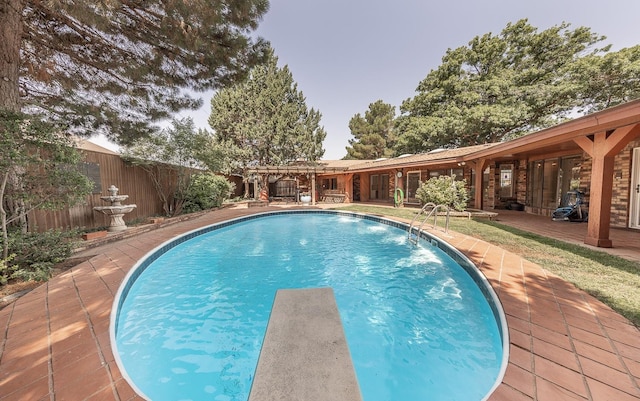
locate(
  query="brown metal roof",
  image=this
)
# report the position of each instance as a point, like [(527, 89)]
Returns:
[(438, 156), (561, 136)]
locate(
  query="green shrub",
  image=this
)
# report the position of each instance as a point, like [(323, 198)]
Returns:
[(444, 190), (6, 269), (206, 191), (34, 254)]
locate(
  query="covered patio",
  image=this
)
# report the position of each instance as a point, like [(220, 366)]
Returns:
[(601, 136)]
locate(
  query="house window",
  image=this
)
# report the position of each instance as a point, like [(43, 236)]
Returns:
[(550, 196), (506, 181), (379, 186), (570, 174), (550, 179), (413, 183), (330, 183)]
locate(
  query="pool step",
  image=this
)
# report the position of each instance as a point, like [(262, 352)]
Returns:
[(305, 354)]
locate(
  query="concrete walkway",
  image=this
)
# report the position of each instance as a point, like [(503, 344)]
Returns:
[(565, 344)]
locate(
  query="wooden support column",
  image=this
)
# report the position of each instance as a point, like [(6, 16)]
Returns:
[(478, 166), (348, 188), (255, 188), (313, 188), (603, 147)]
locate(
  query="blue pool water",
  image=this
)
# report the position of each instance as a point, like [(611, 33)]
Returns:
[(418, 327)]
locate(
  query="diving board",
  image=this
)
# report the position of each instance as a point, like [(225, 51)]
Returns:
[(305, 355)]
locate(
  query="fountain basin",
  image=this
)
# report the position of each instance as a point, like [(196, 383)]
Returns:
[(116, 213)]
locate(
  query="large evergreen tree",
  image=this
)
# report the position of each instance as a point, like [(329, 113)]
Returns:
[(608, 80), (117, 66), (373, 134), (498, 87), (265, 120)]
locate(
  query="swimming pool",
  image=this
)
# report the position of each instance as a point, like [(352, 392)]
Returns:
[(189, 319)]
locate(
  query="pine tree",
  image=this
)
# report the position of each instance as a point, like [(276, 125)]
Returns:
[(117, 66), (498, 87), (374, 135), (265, 120)]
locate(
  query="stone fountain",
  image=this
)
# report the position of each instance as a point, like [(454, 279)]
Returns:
[(116, 210)]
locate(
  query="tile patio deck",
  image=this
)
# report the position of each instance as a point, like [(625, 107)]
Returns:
[(565, 344)]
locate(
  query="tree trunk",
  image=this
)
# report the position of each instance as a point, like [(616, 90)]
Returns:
[(10, 41), (3, 217)]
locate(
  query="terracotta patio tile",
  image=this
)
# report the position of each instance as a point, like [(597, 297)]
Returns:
[(634, 367), (521, 325), (560, 375), (559, 355), (520, 339), (516, 308), (72, 322), (617, 323), (23, 375), (601, 391), (599, 355), (33, 390), (105, 394), (550, 320), (591, 338), (77, 388), (589, 324), (628, 351), (30, 350), (125, 392), (605, 374), (506, 393), (77, 369), (20, 325), (548, 391), (521, 357), (630, 337), (61, 360), (69, 337), (35, 337), (542, 297), (520, 379), (559, 339)]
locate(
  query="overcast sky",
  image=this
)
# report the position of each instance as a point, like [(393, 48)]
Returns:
[(346, 54)]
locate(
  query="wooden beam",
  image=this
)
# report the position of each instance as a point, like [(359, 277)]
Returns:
[(479, 166), (313, 189), (603, 147)]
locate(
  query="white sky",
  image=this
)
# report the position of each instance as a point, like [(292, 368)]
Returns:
[(346, 54)]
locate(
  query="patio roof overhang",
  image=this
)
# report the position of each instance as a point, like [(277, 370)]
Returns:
[(562, 137)]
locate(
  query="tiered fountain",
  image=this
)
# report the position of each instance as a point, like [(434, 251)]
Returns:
[(116, 210)]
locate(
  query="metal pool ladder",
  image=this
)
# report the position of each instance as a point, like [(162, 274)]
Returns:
[(429, 210)]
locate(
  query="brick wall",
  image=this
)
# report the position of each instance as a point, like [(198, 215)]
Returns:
[(621, 183)]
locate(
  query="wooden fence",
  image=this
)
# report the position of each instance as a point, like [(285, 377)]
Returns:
[(107, 168)]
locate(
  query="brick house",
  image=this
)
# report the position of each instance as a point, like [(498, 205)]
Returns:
[(598, 154)]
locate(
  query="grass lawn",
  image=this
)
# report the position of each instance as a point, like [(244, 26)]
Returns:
[(613, 280)]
